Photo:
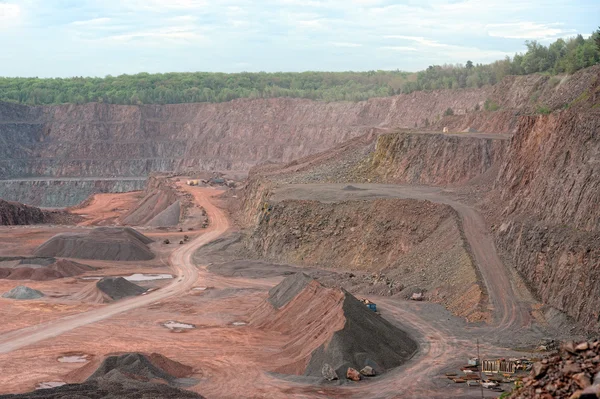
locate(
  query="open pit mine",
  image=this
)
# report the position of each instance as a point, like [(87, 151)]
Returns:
[(289, 248)]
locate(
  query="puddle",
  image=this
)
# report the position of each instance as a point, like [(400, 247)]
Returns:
[(175, 325), (73, 359), (136, 277), (239, 323), (50, 384), (147, 277)]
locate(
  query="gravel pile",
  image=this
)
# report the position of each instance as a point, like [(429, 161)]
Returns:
[(344, 331), (288, 289), (128, 376), (119, 288), (367, 340), (168, 217), (23, 293), (573, 372), (102, 243), (43, 269)]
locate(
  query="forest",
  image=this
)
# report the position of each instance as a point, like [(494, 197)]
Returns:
[(561, 56)]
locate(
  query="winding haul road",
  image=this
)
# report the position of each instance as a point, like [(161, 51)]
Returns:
[(439, 346), (507, 309), (181, 262)]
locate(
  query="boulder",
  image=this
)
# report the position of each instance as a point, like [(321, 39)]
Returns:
[(582, 347), (582, 380), (368, 371), (352, 374), (328, 372)]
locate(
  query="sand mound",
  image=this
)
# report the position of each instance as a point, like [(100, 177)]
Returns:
[(43, 269), (102, 243), (168, 217), (329, 326), (91, 293), (176, 369), (128, 376), (118, 288), (23, 293), (131, 364)]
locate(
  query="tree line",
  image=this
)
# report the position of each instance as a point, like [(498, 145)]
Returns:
[(561, 56)]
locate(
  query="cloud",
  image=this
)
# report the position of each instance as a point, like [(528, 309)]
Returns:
[(120, 36), (92, 22), (345, 44), (527, 30), (397, 48), (171, 34), (9, 14), (450, 52), (162, 5)]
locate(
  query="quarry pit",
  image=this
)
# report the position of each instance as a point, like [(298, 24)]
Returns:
[(248, 265)]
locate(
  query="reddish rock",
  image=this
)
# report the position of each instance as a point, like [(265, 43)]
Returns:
[(539, 370), (352, 374), (582, 380)]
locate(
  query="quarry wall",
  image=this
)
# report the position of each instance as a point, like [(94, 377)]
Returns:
[(547, 196), (435, 159), (63, 192)]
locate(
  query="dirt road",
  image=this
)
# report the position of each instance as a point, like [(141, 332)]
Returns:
[(509, 312), (183, 268)]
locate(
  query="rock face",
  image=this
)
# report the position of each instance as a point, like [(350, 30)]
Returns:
[(95, 140), (435, 159), (12, 213), (413, 243), (548, 198), (58, 193), (101, 243), (329, 329)]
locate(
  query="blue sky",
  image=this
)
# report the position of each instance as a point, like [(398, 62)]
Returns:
[(61, 38)]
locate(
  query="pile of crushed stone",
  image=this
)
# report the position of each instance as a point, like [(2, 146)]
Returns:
[(167, 218), (573, 372), (102, 243), (42, 269), (118, 288), (127, 376), (340, 331), (23, 293)]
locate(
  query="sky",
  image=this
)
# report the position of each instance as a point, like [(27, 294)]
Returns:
[(64, 38)]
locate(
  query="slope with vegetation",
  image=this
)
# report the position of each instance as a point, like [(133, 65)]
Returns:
[(562, 56)]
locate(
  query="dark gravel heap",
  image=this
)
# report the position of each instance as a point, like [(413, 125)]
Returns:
[(367, 339), (119, 288), (573, 372), (128, 376), (288, 289), (101, 243)]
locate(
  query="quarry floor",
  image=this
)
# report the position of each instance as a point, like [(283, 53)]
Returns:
[(233, 359)]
